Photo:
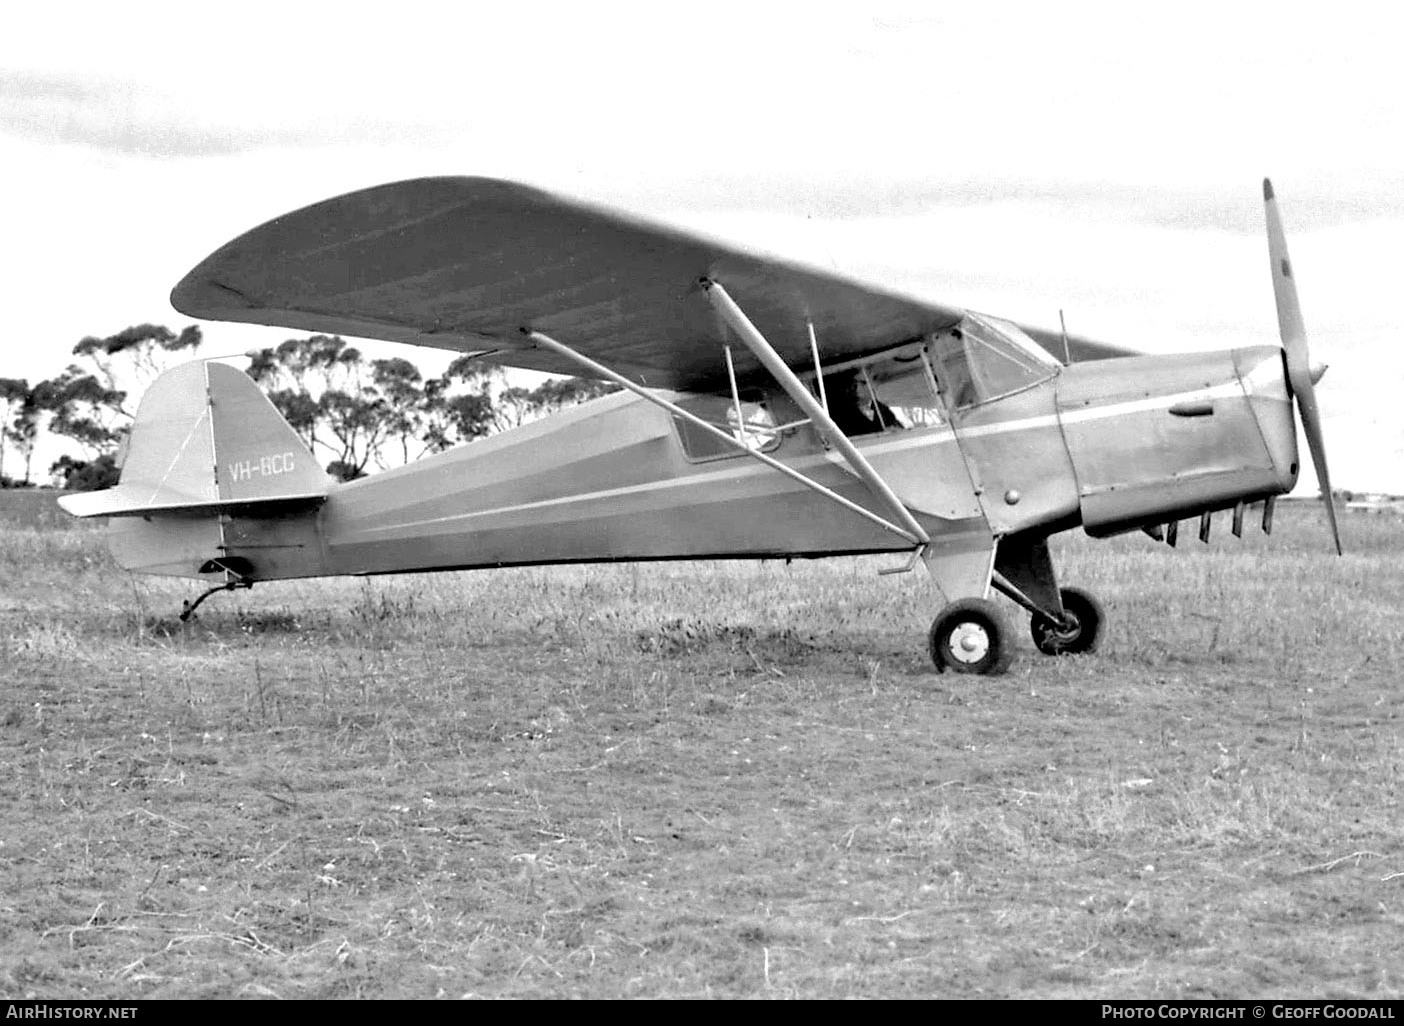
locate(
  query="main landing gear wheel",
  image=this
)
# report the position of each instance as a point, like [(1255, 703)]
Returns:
[(970, 636), (1080, 630)]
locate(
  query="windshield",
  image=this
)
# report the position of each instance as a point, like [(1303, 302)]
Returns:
[(984, 358)]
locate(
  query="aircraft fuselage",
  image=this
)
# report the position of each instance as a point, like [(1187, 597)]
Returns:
[(1113, 445)]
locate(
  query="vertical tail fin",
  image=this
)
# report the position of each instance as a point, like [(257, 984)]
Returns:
[(206, 438)]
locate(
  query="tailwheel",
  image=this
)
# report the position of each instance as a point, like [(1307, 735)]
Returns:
[(970, 636), (1078, 632)]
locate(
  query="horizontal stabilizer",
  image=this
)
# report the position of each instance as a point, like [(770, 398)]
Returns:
[(141, 501), (206, 438)]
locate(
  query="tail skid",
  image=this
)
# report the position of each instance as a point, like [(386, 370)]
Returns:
[(207, 439)]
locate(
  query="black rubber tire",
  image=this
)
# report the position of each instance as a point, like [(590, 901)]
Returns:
[(970, 636), (1081, 635)]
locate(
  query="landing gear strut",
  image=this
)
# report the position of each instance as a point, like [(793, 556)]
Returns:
[(188, 607), (1079, 630), (971, 636), (238, 573)]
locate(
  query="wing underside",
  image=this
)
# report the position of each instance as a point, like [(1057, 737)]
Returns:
[(467, 263)]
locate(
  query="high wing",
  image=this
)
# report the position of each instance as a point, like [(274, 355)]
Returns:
[(468, 263)]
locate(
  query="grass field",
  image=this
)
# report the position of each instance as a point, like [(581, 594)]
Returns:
[(688, 780)]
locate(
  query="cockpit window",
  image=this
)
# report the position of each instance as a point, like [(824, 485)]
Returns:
[(903, 385), (892, 392), (984, 358), (757, 431)]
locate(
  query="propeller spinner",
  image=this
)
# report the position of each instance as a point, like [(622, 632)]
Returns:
[(1300, 372)]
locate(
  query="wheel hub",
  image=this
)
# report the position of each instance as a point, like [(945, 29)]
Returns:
[(969, 642), (1068, 629), (1075, 631)]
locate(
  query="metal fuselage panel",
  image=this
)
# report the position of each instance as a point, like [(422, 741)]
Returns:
[(1018, 460), (178, 544), (608, 480), (605, 481), (173, 544), (1155, 437)]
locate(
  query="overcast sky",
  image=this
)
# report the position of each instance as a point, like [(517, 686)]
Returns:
[(1015, 158)]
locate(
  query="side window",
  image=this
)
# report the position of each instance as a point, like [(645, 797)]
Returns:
[(954, 371), (904, 386), (892, 393), (756, 430)]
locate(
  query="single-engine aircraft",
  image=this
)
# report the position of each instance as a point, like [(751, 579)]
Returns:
[(767, 410)]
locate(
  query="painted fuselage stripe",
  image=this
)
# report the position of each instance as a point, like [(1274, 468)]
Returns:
[(907, 440)]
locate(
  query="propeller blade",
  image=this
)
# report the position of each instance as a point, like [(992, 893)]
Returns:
[(1294, 342)]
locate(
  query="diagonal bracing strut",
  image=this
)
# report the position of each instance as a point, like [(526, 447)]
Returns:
[(916, 537), (737, 320)]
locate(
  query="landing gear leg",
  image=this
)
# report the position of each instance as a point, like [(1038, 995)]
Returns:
[(188, 607), (1079, 630), (971, 636)]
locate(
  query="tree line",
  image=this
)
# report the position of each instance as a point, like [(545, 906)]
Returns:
[(353, 413)]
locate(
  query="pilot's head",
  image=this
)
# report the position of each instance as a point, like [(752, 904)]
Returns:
[(849, 385)]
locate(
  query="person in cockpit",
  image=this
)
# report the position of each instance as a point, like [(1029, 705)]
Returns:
[(854, 408)]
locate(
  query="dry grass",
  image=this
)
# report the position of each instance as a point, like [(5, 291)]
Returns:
[(702, 780)]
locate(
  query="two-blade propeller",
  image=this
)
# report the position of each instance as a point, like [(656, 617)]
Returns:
[(1300, 374)]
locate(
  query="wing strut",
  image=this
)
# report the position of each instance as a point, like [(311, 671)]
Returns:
[(756, 343), (917, 537), (818, 370)]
